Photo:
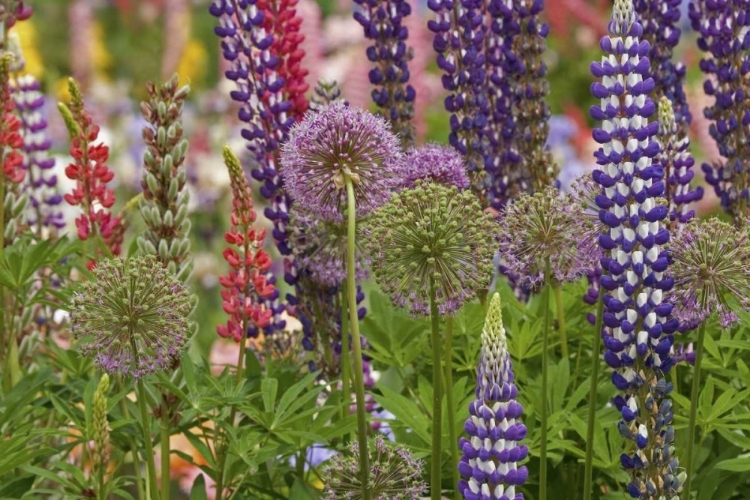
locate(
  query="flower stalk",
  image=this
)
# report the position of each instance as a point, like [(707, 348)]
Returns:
[(694, 393), (351, 286), (591, 422), (545, 375), (437, 397), (451, 403)]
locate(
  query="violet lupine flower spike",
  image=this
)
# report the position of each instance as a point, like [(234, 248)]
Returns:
[(264, 109), (724, 36), (43, 213), (459, 41), (639, 330), (382, 21), (524, 42), (678, 164), (489, 466)]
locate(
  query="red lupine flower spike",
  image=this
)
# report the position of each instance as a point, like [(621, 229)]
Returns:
[(245, 286)]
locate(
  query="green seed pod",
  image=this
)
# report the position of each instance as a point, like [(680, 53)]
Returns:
[(163, 250), (167, 219)]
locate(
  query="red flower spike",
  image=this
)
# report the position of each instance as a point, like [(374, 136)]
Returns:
[(91, 174), (11, 141), (244, 286)]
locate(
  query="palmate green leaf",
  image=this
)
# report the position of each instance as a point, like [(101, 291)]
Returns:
[(17, 487), (406, 412), (268, 388), (735, 464), (302, 491), (290, 400), (198, 490)]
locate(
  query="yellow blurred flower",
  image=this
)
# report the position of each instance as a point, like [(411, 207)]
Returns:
[(27, 37), (193, 64), (101, 59)]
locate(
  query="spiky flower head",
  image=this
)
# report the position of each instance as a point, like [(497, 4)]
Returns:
[(437, 163), (432, 235), (489, 465), (545, 226), (394, 474), (319, 247), (711, 266), (334, 143), (132, 316)]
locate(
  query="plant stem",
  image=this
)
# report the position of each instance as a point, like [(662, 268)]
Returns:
[(561, 321), (359, 383), (241, 359), (545, 348), (448, 360), (165, 453), (694, 392), (345, 358), (589, 471), (151, 491), (437, 399), (131, 441)]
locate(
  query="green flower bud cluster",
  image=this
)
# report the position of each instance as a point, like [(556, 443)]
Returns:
[(100, 426), (133, 316), (14, 210), (431, 235), (165, 199)]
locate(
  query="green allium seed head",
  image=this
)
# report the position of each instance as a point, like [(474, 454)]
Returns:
[(431, 233), (132, 316), (394, 474)]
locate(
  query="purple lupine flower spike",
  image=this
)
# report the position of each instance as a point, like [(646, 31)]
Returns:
[(459, 40), (638, 323), (725, 38), (518, 43), (40, 182), (660, 21), (489, 465), (246, 45), (678, 164), (382, 21)]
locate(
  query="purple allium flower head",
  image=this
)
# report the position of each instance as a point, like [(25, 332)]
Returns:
[(638, 323), (436, 163), (40, 183), (394, 473), (382, 21), (459, 42), (431, 236), (678, 164), (544, 226), (133, 316), (335, 142), (711, 264), (489, 465), (319, 247), (725, 38)]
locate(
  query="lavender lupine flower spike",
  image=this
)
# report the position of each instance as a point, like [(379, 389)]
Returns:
[(41, 184), (517, 43), (678, 164), (489, 466), (459, 37), (659, 20), (639, 330), (724, 36), (264, 111), (382, 21)]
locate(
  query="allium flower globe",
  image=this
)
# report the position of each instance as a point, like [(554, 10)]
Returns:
[(335, 142), (431, 234), (433, 162), (132, 316)]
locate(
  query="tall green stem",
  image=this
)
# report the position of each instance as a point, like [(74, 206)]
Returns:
[(131, 441), (451, 405), (589, 471), (437, 397), (694, 392), (561, 321), (545, 349), (346, 366), (165, 452), (359, 383), (152, 491)]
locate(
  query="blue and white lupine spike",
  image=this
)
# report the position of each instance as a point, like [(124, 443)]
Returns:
[(638, 327), (678, 164), (489, 465), (40, 183)]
